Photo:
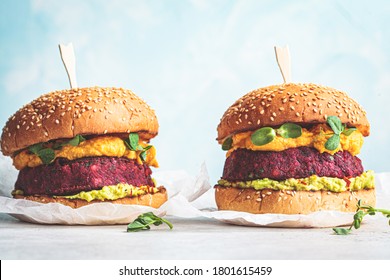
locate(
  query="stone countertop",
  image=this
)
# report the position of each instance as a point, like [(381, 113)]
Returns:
[(197, 238)]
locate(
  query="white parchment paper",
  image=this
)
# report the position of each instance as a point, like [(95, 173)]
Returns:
[(189, 197)]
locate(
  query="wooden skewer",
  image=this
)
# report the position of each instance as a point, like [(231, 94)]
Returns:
[(69, 60), (284, 62)]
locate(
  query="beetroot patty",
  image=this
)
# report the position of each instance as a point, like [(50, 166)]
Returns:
[(244, 165), (66, 177)]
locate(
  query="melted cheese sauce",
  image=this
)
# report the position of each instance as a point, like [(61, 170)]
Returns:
[(316, 137), (100, 146)]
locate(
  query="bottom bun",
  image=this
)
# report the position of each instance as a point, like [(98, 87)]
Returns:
[(289, 202), (154, 200)]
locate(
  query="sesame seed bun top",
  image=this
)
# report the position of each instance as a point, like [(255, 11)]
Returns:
[(85, 111), (295, 103)]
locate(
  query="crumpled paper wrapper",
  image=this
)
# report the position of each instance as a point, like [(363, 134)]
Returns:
[(189, 197)]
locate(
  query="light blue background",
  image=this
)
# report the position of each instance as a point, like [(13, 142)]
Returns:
[(190, 60)]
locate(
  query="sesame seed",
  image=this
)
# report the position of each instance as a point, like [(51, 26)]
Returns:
[(297, 114), (57, 121), (292, 108), (272, 118), (261, 112)]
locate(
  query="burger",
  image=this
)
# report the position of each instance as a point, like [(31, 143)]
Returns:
[(84, 146), (292, 149)]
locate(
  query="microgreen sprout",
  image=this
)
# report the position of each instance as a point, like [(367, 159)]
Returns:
[(144, 221), (133, 144), (267, 134), (46, 152), (361, 212), (335, 124)]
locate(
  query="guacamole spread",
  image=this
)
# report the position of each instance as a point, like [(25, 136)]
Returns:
[(312, 183), (113, 192)]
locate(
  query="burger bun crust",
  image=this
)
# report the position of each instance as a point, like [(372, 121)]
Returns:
[(85, 111), (293, 103), (153, 200), (269, 201)]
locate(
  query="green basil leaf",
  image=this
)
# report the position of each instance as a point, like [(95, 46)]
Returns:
[(342, 231), (140, 148), (144, 221), (333, 142), (263, 136), (47, 155), (168, 223), (335, 123), (349, 131), (133, 141), (127, 144), (290, 130), (144, 150), (36, 148), (356, 224), (142, 155), (137, 226), (76, 140), (227, 144), (147, 147)]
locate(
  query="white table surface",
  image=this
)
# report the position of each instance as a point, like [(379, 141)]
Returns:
[(199, 238)]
